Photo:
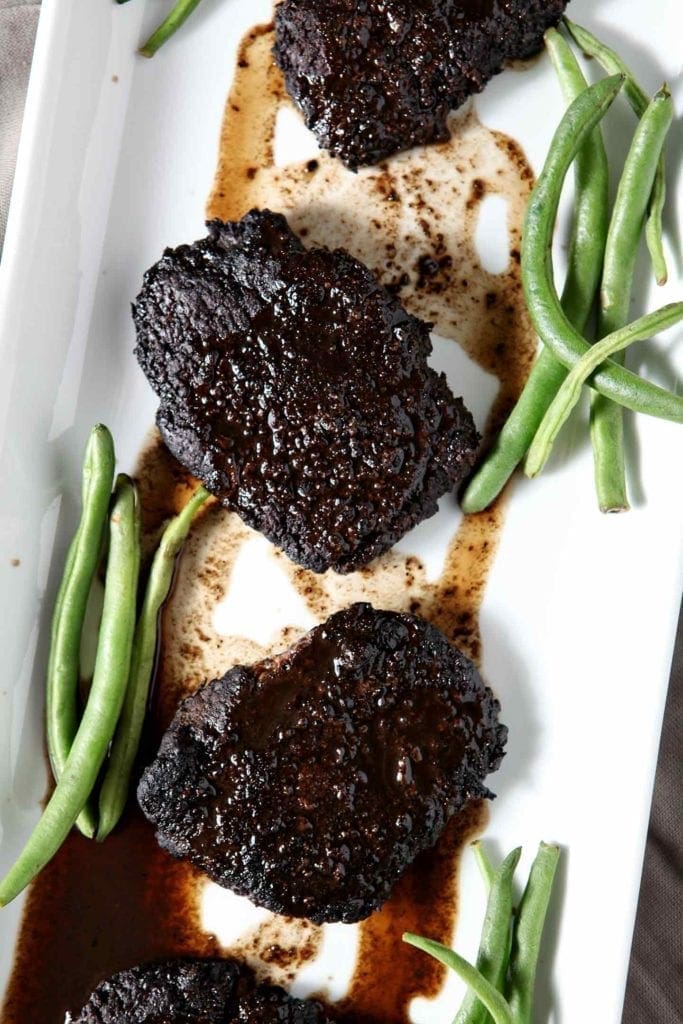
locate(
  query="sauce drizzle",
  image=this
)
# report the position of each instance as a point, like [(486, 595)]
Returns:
[(389, 974)]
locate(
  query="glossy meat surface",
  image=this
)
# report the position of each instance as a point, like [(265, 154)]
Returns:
[(193, 992), (297, 389), (374, 77), (309, 782)]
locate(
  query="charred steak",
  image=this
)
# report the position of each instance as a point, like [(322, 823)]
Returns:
[(297, 389), (373, 77), (310, 781), (193, 992)]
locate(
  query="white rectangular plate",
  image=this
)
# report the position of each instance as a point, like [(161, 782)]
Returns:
[(116, 162)]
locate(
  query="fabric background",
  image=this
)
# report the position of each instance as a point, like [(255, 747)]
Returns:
[(655, 985), (18, 21)]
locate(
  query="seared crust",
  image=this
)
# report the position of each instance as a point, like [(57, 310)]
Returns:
[(309, 782), (373, 77), (297, 389), (193, 992)]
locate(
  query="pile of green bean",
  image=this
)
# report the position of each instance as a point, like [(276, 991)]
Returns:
[(602, 260), (501, 985), (93, 754)]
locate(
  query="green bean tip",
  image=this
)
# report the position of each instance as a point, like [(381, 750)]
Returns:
[(613, 510)]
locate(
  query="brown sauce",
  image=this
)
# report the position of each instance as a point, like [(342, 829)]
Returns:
[(389, 974), (95, 909), (98, 908), (278, 948)]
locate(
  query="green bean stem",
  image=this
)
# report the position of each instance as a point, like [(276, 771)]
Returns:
[(630, 209), (179, 14), (72, 599), (638, 98), (553, 327), (494, 1002), (528, 931), (589, 233), (114, 790), (584, 371), (494, 947), (103, 707)]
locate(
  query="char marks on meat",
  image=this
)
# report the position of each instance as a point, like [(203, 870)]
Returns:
[(297, 389), (374, 77), (193, 992), (310, 781)]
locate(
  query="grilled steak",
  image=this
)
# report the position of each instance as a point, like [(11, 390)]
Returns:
[(297, 389), (373, 77), (193, 992), (310, 781)]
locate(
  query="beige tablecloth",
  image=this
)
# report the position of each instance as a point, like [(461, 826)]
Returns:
[(655, 986)]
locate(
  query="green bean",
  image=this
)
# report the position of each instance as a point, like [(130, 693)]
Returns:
[(494, 947), (526, 939), (591, 205), (114, 789), (553, 327), (87, 820), (486, 869), (103, 707), (638, 98), (72, 599), (585, 370), (654, 231), (179, 14), (589, 232), (630, 208), (494, 1002)]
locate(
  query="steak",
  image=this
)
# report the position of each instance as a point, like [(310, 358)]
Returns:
[(193, 992), (310, 781), (374, 77), (297, 389)]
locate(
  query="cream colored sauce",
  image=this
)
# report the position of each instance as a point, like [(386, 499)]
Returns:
[(277, 948)]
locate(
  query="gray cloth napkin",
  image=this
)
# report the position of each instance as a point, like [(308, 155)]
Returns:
[(655, 984), (18, 20), (654, 993)]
